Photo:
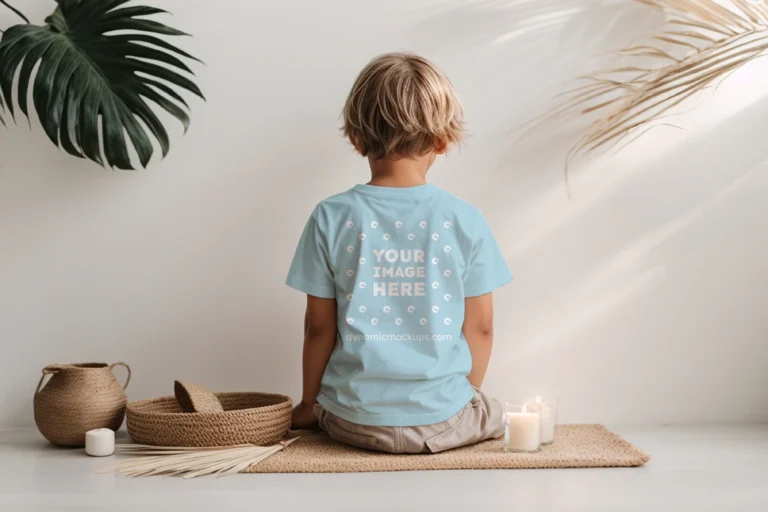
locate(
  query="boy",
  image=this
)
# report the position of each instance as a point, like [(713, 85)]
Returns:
[(398, 276)]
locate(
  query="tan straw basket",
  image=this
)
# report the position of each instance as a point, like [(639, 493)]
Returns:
[(79, 398), (248, 418)]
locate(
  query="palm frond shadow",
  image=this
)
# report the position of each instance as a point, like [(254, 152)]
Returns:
[(523, 24), (619, 267), (709, 151), (530, 43)]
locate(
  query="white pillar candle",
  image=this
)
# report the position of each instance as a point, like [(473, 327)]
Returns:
[(100, 442), (523, 431)]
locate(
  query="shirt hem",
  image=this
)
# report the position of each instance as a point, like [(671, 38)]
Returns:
[(311, 288), (488, 289), (398, 420)]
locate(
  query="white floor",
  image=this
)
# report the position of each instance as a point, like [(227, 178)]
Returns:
[(723, 469)]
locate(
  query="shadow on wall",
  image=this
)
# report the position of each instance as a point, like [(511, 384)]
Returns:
[(526, 24), (533, 41), (692, 174)]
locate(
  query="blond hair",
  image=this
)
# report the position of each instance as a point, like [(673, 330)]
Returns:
[(402, 106)]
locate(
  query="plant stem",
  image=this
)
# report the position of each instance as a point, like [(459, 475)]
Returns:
[(15, 10)]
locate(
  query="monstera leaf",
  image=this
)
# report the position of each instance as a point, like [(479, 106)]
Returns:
[(100, 62)]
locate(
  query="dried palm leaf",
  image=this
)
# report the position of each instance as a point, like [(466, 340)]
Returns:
[(702, 43), (190, 462)]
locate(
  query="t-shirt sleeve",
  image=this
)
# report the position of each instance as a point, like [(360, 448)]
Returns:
[(310, 270), (486, 269)]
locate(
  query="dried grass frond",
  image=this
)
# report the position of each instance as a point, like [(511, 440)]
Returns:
[(190, 462), (702, 43)]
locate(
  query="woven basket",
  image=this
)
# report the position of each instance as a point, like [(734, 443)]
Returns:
[(79, 398), (248, 418)]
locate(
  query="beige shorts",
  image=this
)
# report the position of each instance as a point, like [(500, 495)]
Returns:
[(480, 419)]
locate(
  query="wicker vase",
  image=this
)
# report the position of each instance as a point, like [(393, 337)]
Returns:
[(79, 398)]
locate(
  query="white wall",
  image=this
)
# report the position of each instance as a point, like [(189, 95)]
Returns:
[(640, 300)]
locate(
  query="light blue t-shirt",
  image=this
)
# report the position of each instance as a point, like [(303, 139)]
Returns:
[(399, 262)]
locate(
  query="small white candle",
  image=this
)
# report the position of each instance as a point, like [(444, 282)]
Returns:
[(100, 442), (523, 431)]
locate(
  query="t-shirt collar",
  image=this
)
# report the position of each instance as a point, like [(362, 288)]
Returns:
[(418, 191)]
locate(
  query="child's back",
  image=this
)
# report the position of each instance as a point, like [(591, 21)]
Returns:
[(398, 264)]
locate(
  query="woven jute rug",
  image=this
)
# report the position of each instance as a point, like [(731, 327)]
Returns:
[(575, 446)]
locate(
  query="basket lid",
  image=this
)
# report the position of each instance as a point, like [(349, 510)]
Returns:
[(195, 398)]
